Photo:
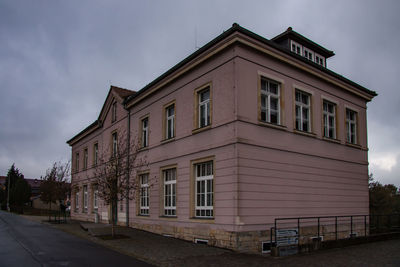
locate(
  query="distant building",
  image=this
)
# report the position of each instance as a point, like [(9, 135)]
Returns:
[(241, 132)]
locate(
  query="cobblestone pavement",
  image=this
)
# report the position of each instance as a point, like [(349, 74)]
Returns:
[(165, 251)]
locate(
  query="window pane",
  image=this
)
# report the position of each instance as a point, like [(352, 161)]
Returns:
[(263, 85), (204, 95), (274, 117), (273, 88)]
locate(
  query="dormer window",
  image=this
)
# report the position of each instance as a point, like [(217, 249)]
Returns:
[(320, 60), (296, 48), (303, 46), (308, 54)]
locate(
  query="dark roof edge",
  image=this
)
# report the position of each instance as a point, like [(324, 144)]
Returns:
[(214, 41), (95, 123), (238, 28)]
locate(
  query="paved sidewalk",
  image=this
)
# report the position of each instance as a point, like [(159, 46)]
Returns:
[(166, 251)]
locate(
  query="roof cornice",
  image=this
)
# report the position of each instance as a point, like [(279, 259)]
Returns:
[(228, 38)]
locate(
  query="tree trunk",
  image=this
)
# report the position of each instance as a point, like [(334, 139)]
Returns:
[(112, 219)]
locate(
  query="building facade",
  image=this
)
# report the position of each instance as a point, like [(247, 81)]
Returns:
[(243, 131)]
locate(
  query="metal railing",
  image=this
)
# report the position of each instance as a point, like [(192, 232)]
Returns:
[(305, 230)]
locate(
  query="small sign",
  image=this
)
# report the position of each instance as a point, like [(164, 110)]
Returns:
[(287, 237)]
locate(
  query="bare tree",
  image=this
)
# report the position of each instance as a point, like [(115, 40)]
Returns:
[(113, 173), (55, 184)]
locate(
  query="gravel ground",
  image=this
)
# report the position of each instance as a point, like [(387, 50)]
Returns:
[(165, 251)]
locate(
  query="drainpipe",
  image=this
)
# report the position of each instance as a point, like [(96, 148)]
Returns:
[(128, 174)]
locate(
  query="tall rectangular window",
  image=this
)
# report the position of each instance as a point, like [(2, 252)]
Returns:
[(204, 196), (145, 132), (351, 126), (169, 192), (170, 121), (85, 198), (270, 101), (144, 197), (77, 200), (85, 159), (76, 161), (329, 113), (95, 198), (95, 154), (114, 144), (114, 112), (303, 107), (203, 98)]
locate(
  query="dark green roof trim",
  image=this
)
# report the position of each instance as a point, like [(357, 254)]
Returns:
[(236, 27)]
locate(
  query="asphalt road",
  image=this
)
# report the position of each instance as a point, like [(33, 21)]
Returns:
[(28, 243)]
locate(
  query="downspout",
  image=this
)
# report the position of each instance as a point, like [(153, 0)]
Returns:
[(129, 171)]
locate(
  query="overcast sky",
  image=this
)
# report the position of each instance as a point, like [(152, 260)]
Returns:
[(58, 59)]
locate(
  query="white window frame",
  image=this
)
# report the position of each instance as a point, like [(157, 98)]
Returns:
[(170, 122), (308, 52), (145, 132), (169, 177), (326, 116), (303, 106), (114, 138), (268, 95), (204, 173), (95, 198), (85, 198), (321, 58), (144, 197), (206, 105), (351, 134), (298, 49)]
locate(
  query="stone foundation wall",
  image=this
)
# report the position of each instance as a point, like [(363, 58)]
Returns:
[(249, 242)]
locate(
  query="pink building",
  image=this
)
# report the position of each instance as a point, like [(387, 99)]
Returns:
[(241, 132)]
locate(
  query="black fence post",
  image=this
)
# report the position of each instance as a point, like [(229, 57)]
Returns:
[(318, 228), (365, 225), (276, 242), (298, 235), (351, 226), (270, 236), (336, 227)]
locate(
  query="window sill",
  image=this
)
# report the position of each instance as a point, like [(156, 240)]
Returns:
[(198, 130), (271, 125), (202, 220), (333, 140), (144, 215), (165, 141), (309, 134)]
